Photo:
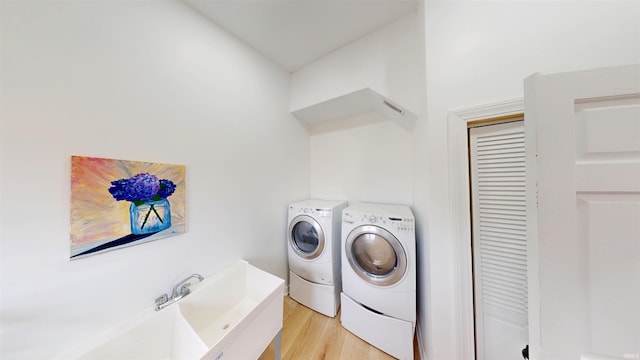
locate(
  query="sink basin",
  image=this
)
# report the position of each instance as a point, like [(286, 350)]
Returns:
[(166, 335), (226, 309), (233, 314)]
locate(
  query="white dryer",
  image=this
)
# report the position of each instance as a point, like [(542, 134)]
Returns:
[(379, 276), (314, 240)]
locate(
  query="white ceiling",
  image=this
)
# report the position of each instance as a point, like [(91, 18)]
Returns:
[(294, 33)]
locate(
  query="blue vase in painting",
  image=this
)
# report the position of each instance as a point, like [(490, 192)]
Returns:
[(150, 216)]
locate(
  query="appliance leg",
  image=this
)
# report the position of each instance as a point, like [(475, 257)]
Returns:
[(277, 345)]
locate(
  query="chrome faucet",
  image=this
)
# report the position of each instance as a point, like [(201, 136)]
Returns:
[(180, 290)]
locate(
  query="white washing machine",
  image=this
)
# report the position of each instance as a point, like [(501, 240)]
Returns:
[(314, 254), (379, 276)]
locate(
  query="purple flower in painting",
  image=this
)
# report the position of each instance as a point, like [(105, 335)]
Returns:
[(167, 187), (118, 189), (141, 187)]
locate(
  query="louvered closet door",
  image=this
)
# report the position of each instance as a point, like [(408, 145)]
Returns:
[(499, 239)]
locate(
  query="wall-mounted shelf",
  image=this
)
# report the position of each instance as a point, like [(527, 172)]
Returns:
[(354, 109)]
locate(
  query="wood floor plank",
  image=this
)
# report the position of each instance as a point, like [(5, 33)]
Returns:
[(303, 348), (329, 345), (296, 322), (354, 348), (375, 354)]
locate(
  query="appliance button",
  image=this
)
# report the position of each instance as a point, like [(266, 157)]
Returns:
[(372, 219)]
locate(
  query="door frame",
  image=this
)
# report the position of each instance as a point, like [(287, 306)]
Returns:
[(460, 212)]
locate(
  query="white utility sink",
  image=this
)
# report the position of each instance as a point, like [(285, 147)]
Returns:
[(233, 314), (167, 335)]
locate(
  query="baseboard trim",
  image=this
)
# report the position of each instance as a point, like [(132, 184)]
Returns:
[(421, 348)]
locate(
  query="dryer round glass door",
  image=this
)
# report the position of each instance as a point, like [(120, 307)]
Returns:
[(376, 255), (306, 237)]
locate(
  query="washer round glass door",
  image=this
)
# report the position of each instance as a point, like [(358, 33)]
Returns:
[(306, 237), (376, 255)]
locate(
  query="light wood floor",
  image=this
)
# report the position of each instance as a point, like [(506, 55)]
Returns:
[(308, 335)]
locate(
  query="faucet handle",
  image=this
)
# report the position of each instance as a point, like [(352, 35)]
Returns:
[(184, 289), (163, 299)]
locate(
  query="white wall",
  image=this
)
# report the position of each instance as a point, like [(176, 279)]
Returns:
[(369, 160), (477, 53), (149, 81), (366, 163)]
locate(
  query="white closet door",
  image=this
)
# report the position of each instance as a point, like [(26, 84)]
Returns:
[(499, 240)]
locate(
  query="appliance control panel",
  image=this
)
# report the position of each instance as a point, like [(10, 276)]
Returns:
[(322, 213), (397, 223)]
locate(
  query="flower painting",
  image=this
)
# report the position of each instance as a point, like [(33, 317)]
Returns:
[(118, 203)]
